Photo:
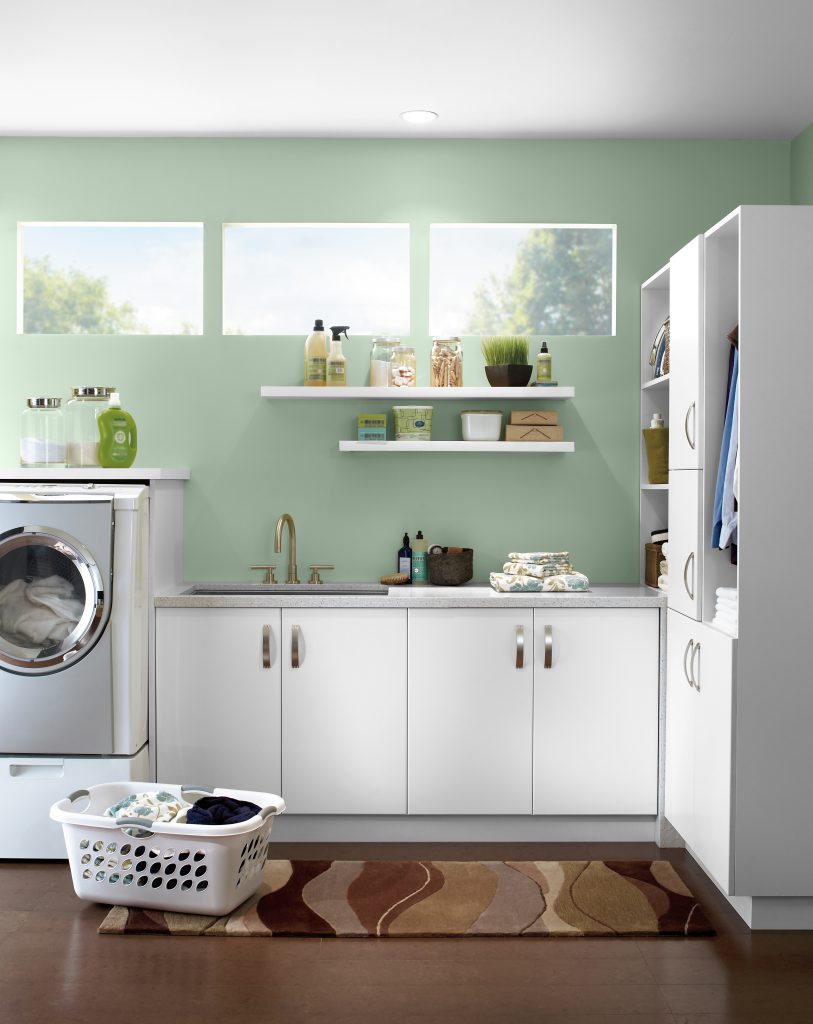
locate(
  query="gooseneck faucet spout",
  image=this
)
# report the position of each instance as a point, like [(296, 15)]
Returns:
[(283, 519)]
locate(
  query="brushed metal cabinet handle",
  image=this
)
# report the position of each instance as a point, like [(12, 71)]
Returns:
[(548, 646), (689, 589), (294, 646), (695, 652), (689, 646), (266, 647), (693, 410), (520, 660)]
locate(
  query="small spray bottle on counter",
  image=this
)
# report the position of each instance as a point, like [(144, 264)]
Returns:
[(336, 360)]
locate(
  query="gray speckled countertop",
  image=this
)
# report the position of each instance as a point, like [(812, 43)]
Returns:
[(471, 595)]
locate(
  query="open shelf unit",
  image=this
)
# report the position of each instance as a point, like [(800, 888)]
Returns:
[(402, 396), (525, 447), (654, 503)]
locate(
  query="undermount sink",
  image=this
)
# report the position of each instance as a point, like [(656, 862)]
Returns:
[(270, 589)]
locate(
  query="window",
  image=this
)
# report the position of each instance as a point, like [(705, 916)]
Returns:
[(105, 278), (531, 279), (279, 278)]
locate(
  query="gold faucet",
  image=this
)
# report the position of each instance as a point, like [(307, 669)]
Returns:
[(283, 519)]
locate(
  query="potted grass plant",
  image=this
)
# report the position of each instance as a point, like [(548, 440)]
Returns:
[(507, 363)]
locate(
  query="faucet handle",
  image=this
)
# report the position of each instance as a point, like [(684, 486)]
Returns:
[(315, 577), (269, 572)]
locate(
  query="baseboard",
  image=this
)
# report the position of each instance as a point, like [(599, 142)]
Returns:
[(761, 914), (294, 828)]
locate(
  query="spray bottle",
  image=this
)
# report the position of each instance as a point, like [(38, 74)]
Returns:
[(336, 361)]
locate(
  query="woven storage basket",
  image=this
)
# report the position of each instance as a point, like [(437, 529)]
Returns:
[(451, 569)]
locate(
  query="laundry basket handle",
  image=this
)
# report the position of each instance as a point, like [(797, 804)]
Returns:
[(72, 797), (197, 789), (266, 812), (145, 824)]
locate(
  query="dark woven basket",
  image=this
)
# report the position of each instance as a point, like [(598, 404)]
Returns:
[(450, 570)]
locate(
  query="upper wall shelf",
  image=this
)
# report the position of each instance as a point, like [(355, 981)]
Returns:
[(404, 395)]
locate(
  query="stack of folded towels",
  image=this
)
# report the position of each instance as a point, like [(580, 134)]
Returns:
[(726, 613), (663, 578), (538, 572)]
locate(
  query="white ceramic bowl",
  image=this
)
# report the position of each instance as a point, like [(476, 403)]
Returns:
[(481, 425)]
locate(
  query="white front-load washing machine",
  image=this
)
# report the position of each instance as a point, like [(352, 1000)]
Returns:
[(74, 614)]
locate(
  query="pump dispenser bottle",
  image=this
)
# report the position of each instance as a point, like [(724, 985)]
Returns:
[(405, 558), (544, 367), (118, 439), (336, 361), (420, 567), (316, 356)]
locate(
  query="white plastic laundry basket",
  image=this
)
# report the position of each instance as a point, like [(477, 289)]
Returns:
[(134, 862)]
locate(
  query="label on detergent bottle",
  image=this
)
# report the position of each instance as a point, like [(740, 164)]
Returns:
[(315, 370), (335, 373), (420, 568), (405, 565)]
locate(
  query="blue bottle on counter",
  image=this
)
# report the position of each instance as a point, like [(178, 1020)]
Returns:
[(405, 558)]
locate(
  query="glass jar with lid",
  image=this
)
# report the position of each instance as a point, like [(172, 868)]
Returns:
[(380, 361), (402, 367), (446, 363), (81, 428), (42, 433)]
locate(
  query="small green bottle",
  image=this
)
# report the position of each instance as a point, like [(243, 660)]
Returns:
[(118, 438)]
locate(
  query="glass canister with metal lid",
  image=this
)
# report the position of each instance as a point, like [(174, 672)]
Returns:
[(81, 428), (446, 363), (381, 361), (42, 433)]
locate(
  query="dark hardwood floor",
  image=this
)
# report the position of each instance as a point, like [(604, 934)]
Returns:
[(55, 968)]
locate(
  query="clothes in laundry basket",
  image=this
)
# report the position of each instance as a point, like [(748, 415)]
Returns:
[(160, 806), (220, 810)]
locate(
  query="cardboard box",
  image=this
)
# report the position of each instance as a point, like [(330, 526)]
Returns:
[(534, 417), (514, 432)]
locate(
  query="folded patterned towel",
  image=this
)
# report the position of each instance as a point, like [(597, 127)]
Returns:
[(160, 806), (539, 556), (507, 583), (536, 569)]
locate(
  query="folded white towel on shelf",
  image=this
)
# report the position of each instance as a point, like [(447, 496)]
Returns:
[(725, 626), (664, 567), (665, 549), (663, 582), (730, 592)]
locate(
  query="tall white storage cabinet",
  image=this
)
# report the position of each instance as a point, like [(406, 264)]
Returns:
[(739, 711)]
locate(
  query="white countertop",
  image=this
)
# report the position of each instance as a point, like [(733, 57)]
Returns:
[(468, 596), (23, 475)]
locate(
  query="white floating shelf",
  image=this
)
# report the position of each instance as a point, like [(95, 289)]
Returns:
[(408, 396), (654, 487), (656, 383), (525, 447)]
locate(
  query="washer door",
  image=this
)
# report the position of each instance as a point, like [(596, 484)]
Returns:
[(53, 602)]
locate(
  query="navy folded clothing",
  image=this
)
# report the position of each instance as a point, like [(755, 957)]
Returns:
[(220, 810)]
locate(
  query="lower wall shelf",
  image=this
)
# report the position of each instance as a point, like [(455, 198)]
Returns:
[(525, 447)]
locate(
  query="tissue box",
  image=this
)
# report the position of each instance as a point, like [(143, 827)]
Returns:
[(372, 426)]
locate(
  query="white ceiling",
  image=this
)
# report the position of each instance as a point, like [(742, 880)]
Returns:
[(522, 68)]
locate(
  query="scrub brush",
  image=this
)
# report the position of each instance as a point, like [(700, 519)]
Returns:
[(394, 579)]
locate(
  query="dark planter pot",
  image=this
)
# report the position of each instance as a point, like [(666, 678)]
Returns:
[(509, 375)]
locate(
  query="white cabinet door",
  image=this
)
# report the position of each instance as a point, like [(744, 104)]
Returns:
[(680, 724), (685, 357), (711, 669), (344, 710), (685, 542), (596, 711), (470, 711), (218, 697)]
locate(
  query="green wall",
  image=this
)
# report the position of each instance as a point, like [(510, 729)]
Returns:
[(197, 401), (801, 167)]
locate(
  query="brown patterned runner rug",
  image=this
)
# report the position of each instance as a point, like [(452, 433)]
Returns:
[(445, 898)]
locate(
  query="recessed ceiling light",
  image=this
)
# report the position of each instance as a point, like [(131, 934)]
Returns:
[(419, 116)]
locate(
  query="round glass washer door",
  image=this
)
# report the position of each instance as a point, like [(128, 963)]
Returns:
[(53, 605)]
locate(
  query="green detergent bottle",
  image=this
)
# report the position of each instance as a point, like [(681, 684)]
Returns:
[(118, 438)]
